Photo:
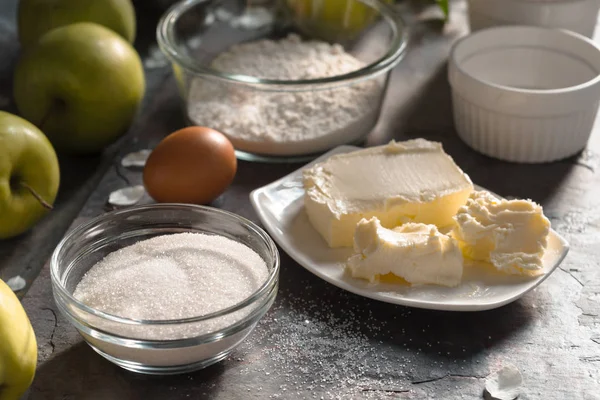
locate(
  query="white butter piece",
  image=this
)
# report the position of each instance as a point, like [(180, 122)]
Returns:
[(416, 252), (412, 181), (510, 234)]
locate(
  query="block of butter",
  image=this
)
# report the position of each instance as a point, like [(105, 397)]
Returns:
[(412, 181), (510, 234), (416, 252)]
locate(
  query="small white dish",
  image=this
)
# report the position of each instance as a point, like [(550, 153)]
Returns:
[(525, 94), (575, 15), (280, 207)]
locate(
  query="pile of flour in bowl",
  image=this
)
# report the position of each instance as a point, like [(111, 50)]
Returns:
[(286, 123)]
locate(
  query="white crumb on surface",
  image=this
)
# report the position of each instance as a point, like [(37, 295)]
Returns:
[(136, 159), (504, 384), (16, 283), (126, 196)]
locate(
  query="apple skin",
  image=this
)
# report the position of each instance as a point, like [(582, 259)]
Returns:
[(331, 20), (81, 84), (18, 346), (26, 156), (36, 17)]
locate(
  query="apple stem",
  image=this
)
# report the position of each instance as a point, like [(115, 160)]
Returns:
[(43, 202)]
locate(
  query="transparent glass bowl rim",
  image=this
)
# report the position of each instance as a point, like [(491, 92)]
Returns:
[(264, 289), (165, 36)]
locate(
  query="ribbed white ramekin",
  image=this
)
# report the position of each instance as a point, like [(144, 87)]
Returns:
[(525, 94), (576, 15)]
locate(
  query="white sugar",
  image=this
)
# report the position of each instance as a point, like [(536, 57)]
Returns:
[(172, 277), (333, 356)]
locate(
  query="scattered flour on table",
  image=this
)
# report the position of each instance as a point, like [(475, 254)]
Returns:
[(312, 349), (314, 344), (341, 114), (171, 277)]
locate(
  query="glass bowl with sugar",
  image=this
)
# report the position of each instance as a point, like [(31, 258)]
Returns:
[(165, 288)]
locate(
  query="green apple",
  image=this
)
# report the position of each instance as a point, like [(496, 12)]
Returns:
[(81, 84), (29, 176), (18, 346), (36, 17), (332, 20)]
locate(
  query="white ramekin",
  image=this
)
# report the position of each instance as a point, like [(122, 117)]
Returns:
[(525, 94), (576, 15)]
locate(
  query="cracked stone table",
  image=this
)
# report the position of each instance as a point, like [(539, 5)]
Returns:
[(319, 341)]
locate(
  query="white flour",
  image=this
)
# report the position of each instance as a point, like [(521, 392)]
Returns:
[(286, 123)]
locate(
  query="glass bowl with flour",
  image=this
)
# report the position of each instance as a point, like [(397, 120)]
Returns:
[(279, 89), (166, 288)]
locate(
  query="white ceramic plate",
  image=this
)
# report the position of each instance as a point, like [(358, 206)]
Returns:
[(280, 207)]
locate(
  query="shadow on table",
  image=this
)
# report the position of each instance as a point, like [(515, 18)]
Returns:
[(262, 173), (79, 373), (440, 337), (147, 16)]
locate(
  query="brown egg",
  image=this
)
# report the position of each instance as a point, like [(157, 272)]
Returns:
[(192, 165)]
